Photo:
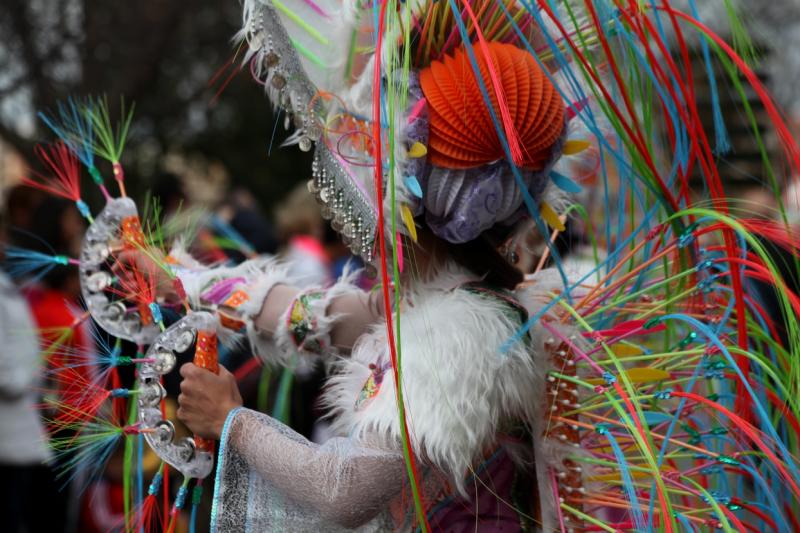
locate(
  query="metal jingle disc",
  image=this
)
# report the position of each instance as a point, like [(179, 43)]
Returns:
[(96, 254), (151, 394), (186, 449), (183, 340), (165, 432), (98, 281), (164, 361), (113, 312), (132, 323)]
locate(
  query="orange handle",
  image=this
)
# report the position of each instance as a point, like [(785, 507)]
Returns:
[(206, 355)]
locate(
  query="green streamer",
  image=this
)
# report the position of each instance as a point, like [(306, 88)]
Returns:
[(127, 464)]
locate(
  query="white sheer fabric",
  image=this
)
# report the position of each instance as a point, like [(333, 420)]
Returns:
[(272, 479)]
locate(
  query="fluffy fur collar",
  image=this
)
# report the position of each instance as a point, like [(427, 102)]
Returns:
[(459, 383)]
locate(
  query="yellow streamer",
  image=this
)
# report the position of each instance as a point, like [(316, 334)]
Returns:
[(639, 375)]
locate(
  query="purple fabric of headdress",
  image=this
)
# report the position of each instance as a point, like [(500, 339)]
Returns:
[(417, 131), (462, 204)]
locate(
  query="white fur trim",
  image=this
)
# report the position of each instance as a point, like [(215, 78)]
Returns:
[(196, 281), (281, 348), (180, 254), (257, 292), (260, 276), (258, 285), (457, 384)]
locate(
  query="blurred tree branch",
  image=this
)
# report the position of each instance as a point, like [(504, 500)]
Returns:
[(160, 54), (17, 141)]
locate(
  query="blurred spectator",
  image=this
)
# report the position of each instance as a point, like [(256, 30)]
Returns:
[(302, 229), (21, 204), (23, 448), (168, 191), (314, 251), (340, 258), (241, 212), (55, 228)]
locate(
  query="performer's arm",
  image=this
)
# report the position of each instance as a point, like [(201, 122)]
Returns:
[(280, 319), (352, 313), (345, 480)]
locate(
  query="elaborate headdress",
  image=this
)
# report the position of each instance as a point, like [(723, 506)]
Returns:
[(468, 132)]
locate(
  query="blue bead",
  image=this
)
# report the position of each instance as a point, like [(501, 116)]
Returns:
[(155, 310), (83, 208)]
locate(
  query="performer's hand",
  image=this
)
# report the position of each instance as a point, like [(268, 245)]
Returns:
[(206, 399)]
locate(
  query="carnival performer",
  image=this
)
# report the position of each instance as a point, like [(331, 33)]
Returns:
[(468, 446), (471, 411), (637, 386)]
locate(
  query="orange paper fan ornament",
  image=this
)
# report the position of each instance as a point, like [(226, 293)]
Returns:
[(461, 132)]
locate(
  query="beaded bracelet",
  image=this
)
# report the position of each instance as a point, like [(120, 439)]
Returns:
[(302, 323)]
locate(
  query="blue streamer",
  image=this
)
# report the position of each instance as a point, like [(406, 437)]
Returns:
[(627, 480), (722, 140)]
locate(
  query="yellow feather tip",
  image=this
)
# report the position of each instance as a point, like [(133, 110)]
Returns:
[(408, 220), (575, 147), (551, 217), (417, 150), (626, 350)]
